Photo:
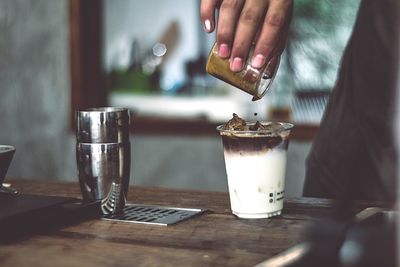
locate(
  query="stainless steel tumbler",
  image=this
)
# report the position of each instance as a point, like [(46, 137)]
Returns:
[(103, 156), (104, 170), (102, 125)]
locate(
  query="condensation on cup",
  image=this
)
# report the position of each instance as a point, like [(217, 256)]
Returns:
[(255, 82)]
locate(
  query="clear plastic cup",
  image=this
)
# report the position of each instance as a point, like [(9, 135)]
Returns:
[(255, 164)]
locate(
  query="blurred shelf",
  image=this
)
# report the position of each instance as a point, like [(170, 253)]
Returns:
[(309, 106), (202, 127), (210, 108), (194, 116)]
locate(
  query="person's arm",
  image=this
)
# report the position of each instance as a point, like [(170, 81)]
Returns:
[(242, 22)]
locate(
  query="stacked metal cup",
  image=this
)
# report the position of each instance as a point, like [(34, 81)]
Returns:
[(103, 156)]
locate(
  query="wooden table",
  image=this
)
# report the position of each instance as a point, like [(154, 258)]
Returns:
[(216, 238)]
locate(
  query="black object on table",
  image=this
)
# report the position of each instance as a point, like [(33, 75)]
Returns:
[(22, 214)]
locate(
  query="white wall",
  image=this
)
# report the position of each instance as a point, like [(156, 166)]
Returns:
[(34, 85)]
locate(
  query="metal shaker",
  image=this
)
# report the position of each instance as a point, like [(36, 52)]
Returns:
[(103, 156), (102, 125)]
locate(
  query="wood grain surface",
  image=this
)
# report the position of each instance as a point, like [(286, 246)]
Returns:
[(216, 238)]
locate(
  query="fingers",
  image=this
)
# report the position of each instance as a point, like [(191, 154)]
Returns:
[(207, 14), (272, 37), (274, 59), (242, 21), (251, 15), (228, 16)]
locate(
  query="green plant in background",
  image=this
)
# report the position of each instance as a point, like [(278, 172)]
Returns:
[(130, 82), (317, 37)]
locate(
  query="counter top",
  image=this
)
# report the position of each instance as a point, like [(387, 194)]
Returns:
[(215, 238)]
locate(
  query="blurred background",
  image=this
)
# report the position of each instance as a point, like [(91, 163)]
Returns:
[(60, 55)]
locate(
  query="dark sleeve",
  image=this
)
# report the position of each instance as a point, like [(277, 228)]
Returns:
[(355, 146)]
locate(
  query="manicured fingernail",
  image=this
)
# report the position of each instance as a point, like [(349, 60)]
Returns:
[(207, 25), (236, 64), (223, 50), (258, 61)]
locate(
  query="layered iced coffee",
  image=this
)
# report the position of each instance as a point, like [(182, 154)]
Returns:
[(255, 160)]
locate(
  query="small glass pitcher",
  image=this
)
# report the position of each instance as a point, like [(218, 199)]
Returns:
[(255, 82)]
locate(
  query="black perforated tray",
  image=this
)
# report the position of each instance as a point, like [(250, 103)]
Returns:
[(157, 215)]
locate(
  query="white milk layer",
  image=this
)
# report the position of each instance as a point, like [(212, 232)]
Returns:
[(256, 182)]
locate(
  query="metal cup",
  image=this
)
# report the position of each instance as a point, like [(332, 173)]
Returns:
[(6, 156), (104, 173), (102, 125)]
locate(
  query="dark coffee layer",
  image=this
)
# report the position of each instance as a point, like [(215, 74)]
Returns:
[(238, 124), (253, 144)]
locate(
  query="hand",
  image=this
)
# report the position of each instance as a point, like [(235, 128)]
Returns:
[(242, 22)]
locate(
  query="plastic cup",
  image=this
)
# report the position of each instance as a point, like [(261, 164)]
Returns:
[(255, 164)]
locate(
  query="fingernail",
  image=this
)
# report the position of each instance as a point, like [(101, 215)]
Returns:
[(236, 64), (223, 50), (258, 61), (207, 25)]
